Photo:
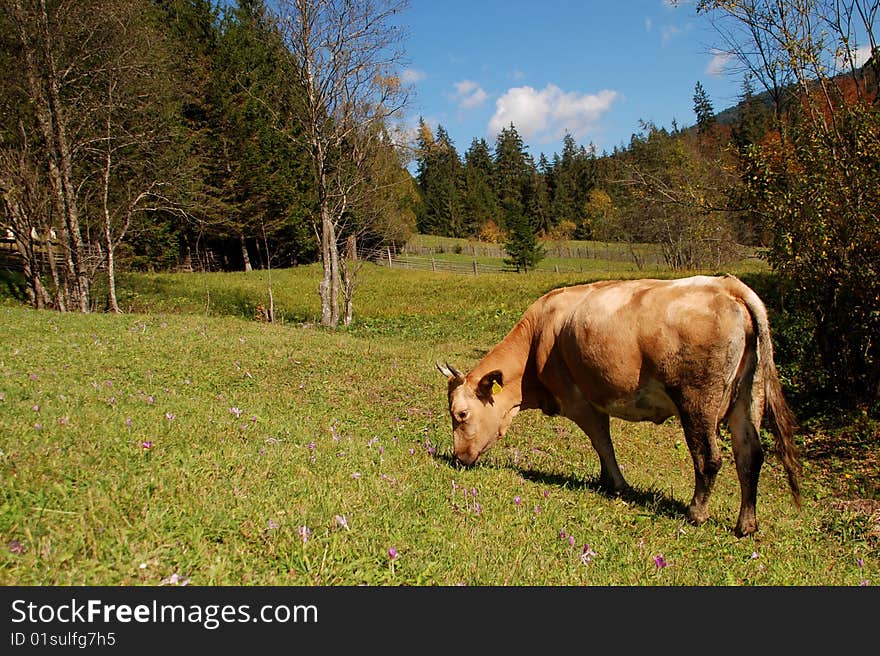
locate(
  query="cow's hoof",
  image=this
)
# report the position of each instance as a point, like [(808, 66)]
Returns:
[(745, 528), (697, 516)]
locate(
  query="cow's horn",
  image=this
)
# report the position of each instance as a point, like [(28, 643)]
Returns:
[(448, 370)]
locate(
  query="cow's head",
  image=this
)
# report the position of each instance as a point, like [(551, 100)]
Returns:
[(478, 418)]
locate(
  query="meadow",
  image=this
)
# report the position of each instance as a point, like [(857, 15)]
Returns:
[(184, 442)]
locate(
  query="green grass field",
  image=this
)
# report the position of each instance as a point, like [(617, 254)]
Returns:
[(184, 442)]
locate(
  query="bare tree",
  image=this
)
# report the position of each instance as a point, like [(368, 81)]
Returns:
[(40, 34), (127, 131), (345, 54)]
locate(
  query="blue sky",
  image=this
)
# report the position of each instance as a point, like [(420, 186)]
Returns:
[(594, 68)]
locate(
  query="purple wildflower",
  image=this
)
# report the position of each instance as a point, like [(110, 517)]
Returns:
[(128, 422), (272, 524), (16, 547), (660, 561), (537, 509), (477, 508), (570, 540), (860, 563), (36, 407), (517, 500), (304, 533), (342, 521), (169, 416), (754, 555), (587, 554), (146, 445), (236, 411), (392, 553), (63, 420), (562, 534), (175, 579)]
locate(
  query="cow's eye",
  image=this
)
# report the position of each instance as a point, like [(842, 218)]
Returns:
[(462, 415)]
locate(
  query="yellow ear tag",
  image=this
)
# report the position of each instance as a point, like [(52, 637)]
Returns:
[(496, 388)]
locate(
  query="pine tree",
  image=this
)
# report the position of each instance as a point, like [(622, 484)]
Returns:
[(703, 109), (574, 176), (754, 117), (479, 201), (522, 246), (266, 186), (439, 178), (511, 172)]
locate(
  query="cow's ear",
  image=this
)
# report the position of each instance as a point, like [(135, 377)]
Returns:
[(490, 385)]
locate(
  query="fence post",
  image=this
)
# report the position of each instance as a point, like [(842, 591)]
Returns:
[(433, 265), (389, 257), (475, 267)]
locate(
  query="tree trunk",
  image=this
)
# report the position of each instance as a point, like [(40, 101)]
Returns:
[(111, 269), (244, 254), (45, 94), (325, 288), (64, 171), (334, 276)]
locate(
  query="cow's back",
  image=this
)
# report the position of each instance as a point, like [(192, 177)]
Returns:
[(629, 342)]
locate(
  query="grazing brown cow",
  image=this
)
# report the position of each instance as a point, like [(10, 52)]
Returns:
[(641, 350)]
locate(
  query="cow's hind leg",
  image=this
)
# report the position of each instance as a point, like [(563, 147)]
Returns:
[(597, 426), (744, 422), (700, 432)]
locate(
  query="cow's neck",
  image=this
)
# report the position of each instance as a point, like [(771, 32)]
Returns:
[(514, 357)]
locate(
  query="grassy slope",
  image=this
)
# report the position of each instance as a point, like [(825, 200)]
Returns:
[(257, 430)]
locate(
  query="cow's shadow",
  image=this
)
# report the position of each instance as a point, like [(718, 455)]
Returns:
[(651, 499)]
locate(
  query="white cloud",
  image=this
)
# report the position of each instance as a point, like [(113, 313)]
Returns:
[(411, 75), (546, 115), (648, 24), (468, 94), (718, 62)]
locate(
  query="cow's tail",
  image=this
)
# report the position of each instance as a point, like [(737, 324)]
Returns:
[(784, 423)]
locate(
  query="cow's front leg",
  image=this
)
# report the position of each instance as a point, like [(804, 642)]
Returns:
[(597, 426)]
